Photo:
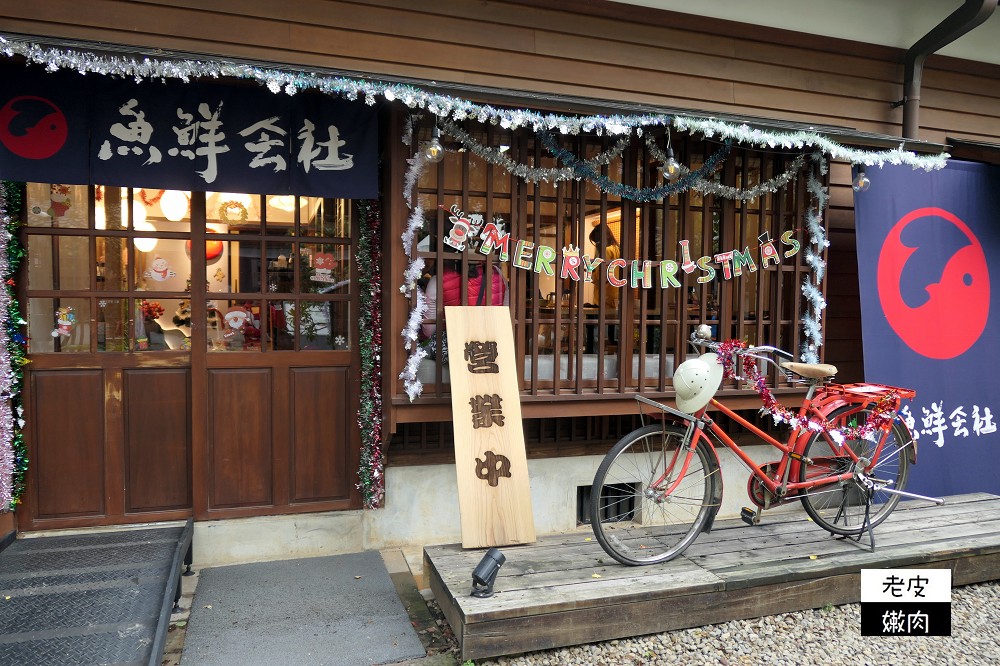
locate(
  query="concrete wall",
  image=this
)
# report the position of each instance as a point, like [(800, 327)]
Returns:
[(422, 509)]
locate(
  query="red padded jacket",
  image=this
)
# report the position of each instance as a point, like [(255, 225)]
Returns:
[(451, 288)]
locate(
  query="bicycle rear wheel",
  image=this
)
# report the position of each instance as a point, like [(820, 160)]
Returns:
[(839, 508), (646, 506)]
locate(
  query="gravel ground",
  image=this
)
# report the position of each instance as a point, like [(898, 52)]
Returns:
[(825, 636)]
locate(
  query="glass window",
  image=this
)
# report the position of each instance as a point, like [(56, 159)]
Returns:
[(234, 325), (281, 265), (58, 325), (57, 206), (322, 324), (124, 279), (325, 268), (58, 262), (232, 212)]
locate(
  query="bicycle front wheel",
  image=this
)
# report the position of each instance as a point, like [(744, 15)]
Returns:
[(839, 508), (650, 498)]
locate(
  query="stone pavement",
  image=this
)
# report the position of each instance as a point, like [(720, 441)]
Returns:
[(435, 646)]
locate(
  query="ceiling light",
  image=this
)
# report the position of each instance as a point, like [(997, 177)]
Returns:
[(861, 182), (433, 150), (286, 202)]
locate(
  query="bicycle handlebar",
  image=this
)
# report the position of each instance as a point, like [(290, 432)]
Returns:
[(701, 338)]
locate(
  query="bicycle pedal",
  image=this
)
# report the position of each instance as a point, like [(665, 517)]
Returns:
[(749, 516)]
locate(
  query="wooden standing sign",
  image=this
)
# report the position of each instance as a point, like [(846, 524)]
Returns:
[(494, 496)]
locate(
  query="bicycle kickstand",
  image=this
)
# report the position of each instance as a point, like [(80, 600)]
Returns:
[(867, 523)]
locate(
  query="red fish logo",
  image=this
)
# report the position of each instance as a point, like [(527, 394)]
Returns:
[(32, 127), (934, 284)]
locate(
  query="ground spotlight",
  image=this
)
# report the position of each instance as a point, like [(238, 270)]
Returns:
[(485, 573)]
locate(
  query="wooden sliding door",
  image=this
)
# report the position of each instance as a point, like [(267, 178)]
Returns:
[(167, 382)]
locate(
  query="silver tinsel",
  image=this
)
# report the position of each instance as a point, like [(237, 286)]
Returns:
[(411, 384), (744, 134), (523, 171), (444, 106), (811, 320), (411, 275), (416, 169), (413, 225), (412, 331)]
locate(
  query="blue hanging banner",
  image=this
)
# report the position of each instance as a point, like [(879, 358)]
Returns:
[(926, 245), (66, 128)]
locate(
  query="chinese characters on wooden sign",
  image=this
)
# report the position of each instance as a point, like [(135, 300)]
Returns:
[(493, 491)]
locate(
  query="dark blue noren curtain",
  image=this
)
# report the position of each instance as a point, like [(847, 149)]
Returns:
[(62, 127), (927, 246)]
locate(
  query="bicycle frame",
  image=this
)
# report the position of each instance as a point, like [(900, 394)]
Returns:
[(788, 466), (820, 401)]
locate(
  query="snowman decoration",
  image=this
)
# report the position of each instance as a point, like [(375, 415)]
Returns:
[(159, 270)]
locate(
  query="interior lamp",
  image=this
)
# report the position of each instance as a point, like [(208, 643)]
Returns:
[(144, 244), (861, 182), (285, 202), (485, 573), (433, 150), (174, 205)]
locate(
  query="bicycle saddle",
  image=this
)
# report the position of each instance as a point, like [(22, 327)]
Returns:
[(810, 370)]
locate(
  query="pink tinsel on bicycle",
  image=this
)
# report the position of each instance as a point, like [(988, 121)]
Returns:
[(880, 417)]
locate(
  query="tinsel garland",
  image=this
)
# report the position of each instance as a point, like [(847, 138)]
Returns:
[(744, 134), (523, 171), (413, 173), (588, 171), (13, 357), (812, 319), (880, 417), (416, 266), (414, 269), (557, 174), (148, 201), (444, 106), (725, 191), (413, 225), (413, 386), (369, 261)]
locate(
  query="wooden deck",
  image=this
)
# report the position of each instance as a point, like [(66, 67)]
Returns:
[(564, 590)]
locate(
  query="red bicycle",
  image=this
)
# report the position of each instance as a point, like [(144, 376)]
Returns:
[(846, 458)]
